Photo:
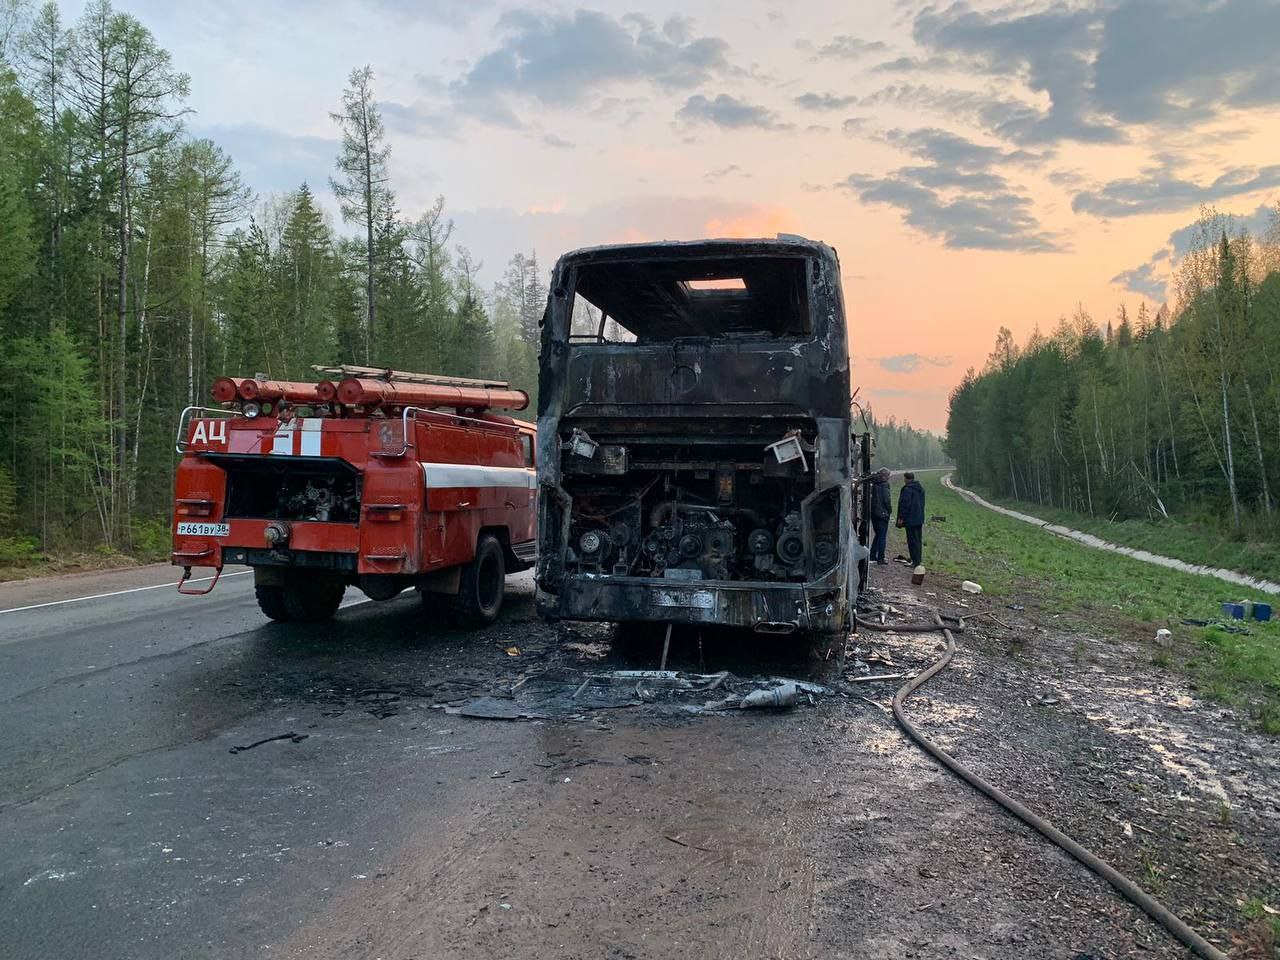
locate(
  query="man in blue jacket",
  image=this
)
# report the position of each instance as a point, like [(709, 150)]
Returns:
[(911, 516), (881, 511)]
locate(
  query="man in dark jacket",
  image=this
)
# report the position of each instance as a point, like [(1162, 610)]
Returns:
[(881, 511), (911, 516)]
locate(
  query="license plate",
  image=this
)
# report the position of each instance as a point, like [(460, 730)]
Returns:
[(189, 529), (698, 599)]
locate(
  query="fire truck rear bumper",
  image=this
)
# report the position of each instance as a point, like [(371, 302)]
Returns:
[(766, 607), (309, 559)]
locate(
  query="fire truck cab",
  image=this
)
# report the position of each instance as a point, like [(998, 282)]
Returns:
[(383, 481)]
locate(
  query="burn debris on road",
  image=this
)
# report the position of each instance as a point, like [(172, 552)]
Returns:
[(290, 736)]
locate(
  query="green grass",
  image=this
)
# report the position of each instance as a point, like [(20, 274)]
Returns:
[(1103, 593), (1210, 543)]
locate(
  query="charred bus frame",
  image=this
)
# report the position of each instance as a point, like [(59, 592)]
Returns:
[(695, 452)]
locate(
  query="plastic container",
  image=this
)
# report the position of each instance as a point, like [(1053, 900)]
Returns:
[(1233, 610), (1261, 611)]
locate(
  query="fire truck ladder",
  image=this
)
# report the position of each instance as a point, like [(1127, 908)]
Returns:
[(401, 376)]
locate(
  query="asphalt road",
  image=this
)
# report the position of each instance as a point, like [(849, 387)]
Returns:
[(127, 828), (389, 827)]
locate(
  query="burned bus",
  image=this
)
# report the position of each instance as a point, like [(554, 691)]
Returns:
[(694, 438)]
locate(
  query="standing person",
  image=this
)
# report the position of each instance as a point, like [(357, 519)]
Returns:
[(911, 516), (881, 511)]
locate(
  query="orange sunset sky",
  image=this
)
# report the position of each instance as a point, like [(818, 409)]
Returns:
[(976, 165)]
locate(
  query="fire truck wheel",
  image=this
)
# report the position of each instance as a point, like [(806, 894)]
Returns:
[(481, 585), (314, 599), (271, 603)]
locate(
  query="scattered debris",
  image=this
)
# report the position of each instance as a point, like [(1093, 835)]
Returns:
[(290, 736), (588, 651), (513, 651), (784, 695), (970, 587), (878, 676), (493, 708), (1164, 638)]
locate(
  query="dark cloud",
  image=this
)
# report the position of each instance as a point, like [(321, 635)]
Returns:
[(1103, 67), (843, 47), (947, 149), (1181, 60), (854, 126), (1049, 49), (1142, 280), (910, 362), (561, 59), (729, 113), (956, 195), (560, 143), (1160, 190), (824, 101)]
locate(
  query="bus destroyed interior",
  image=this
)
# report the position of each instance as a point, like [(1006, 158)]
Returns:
[(695, 437)]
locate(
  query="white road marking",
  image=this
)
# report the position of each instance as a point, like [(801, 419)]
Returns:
[(118, 593)]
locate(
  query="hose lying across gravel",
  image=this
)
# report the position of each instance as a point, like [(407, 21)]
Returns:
[(1126, 887)]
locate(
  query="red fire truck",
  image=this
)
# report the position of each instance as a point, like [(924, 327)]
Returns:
[(382, 480)]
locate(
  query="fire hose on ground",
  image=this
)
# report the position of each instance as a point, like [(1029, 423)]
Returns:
[(1123, 885)]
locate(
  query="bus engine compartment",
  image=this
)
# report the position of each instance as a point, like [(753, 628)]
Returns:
[(711, 507)]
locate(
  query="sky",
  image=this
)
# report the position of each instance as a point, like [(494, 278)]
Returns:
[(975, 165)]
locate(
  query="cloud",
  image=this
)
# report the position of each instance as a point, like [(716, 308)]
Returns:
[(910, 362), (951, 150), (956, 195), (1049, 49), (273, 161), (843, 47), (732, 170), (729, 113), (560, 59), (824, 101), (1160, 190), (1151, 278), (1104, 67), (1142, 280), (1171, 61), (419, 119), (560, 143)]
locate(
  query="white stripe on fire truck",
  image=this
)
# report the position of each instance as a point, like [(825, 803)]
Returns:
[(298, 437), (311, 428), (282, 442), (440, 476)]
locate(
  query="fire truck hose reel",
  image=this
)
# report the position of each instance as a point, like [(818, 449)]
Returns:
[(1122, 884)]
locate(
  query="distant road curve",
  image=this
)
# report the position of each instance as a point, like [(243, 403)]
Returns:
[(1089, 540)]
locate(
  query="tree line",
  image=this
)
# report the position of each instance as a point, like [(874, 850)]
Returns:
[(136, 266), (1174, 413), (900, 446)]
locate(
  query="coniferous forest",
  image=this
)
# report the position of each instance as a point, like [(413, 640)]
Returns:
[(136, 266), (1172, 413)]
